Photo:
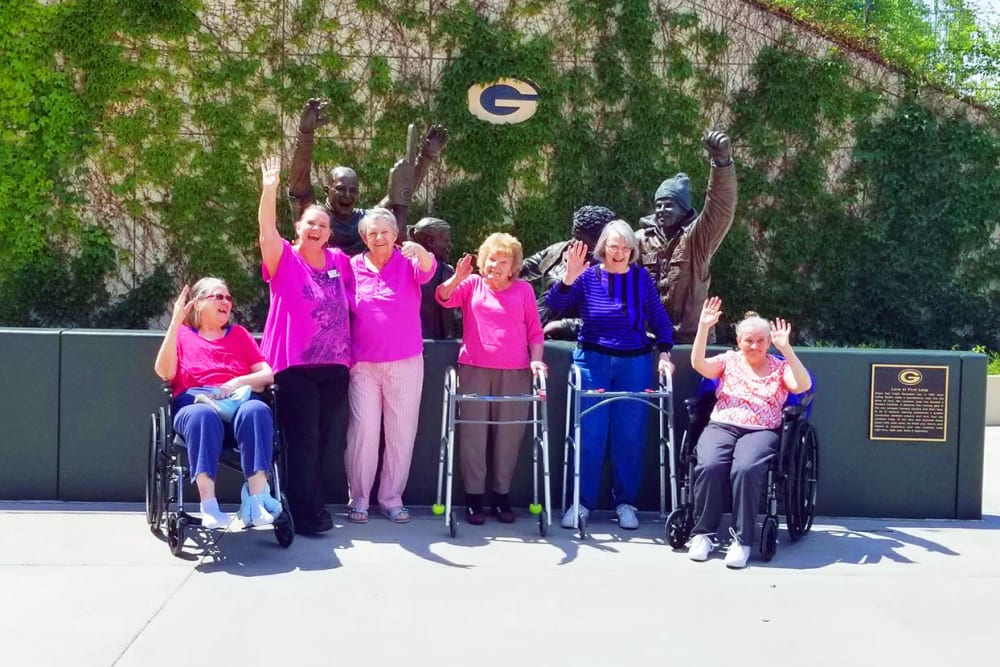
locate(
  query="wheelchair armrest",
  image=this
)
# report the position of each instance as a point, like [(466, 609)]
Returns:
[(699, 404), (793, 411)]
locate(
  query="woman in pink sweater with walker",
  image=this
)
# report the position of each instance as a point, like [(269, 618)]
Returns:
[(502, 346)]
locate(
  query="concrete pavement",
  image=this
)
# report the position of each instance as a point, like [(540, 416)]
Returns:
[(89, 585)]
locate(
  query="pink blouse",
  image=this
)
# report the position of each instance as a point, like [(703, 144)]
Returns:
[(747, 400)]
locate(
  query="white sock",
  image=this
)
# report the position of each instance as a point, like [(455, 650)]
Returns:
[(212, 516)]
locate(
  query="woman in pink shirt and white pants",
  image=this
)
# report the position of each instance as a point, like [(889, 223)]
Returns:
[(502, 346), (388, 370)]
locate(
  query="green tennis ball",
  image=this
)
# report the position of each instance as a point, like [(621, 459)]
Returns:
[(437, 510), (535, 508)]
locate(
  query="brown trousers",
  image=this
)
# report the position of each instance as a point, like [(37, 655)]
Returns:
[(506, 437)]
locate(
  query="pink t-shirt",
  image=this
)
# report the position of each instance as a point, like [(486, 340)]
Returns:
[(497, 327), (387, 308), (210, 363), (309, 321), (747, 400)]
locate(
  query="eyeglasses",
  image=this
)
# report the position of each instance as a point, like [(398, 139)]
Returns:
[(219, 297), (618, 248)]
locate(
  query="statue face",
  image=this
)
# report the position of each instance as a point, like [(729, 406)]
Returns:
[(342, 192), (437, 240), (668, 213)]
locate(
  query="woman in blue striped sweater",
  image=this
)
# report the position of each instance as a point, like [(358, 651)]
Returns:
[(617, 302)]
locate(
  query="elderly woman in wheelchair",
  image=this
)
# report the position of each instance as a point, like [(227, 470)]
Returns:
[(212, 368), (742, 436)]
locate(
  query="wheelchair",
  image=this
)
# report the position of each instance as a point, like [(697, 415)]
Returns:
[(792, 477), (168, 470), (659, 399), (539, 449)]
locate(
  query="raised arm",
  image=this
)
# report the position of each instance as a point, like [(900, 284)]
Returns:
[(720, 200), (300, 187), (462, 271), (710, 313), (408, 173), (796, 376), (270, 240), (166, 359)]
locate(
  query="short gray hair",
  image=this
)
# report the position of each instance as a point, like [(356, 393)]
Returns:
[(373, 214), (624, 230), (752, 322)]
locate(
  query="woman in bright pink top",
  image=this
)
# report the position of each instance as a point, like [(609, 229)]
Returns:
[(307, 339), (502, 346), (742, 434), (388, 371), (203, 354)]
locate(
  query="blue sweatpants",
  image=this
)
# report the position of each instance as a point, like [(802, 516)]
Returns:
[(203, 431), (626, 417)]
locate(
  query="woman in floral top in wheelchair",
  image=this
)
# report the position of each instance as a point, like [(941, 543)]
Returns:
[(743, 432)]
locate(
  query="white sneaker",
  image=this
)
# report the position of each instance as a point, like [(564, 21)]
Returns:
[(626, 517), (567, 518), (699, 547), (737, 554)]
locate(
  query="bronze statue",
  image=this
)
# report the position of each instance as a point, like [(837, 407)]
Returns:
[(342, 185), (548, 267), (677, 243), (436, 322)]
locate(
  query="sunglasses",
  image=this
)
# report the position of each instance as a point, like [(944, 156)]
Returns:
[(219, 297)]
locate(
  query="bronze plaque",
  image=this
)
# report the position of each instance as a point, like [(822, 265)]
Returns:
[(909, 403)]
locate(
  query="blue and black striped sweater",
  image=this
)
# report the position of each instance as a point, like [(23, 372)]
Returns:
[(616, 309)]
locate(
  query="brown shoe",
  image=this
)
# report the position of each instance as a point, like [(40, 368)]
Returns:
[(474, 513), (502, 509)]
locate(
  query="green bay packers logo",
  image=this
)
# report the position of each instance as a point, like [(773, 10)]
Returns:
[(910, 376), (505, 101)]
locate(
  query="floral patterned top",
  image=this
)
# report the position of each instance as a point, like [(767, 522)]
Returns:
[(747, 400)]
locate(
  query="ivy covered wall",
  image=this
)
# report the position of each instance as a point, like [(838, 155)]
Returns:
[(131, 132)]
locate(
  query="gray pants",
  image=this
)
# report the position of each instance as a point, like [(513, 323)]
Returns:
[(506, 437), (731, 455)]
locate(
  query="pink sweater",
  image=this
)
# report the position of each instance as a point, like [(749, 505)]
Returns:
[(497, 327), (387, 308), (308, 323)]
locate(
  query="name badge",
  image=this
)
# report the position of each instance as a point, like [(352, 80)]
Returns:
[(333, 273)]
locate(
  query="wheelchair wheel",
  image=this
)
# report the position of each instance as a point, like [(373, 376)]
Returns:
[(678, 527), (543, 523), (800, 483), (768, 538), (175, 534), (808, 478), (156, 470), (284, 525)]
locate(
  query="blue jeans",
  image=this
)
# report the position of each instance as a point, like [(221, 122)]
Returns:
[(628, 435), (204, 431)]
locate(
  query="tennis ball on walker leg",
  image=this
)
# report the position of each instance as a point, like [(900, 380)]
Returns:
[(535, 509), (437, 510)]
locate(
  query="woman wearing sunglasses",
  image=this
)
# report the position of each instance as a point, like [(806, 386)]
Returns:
[(209, 361)]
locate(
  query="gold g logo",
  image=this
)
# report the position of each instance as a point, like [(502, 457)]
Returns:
[(910, 376)]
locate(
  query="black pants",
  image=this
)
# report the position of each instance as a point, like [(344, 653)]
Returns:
[(731, 455), (306, 399)]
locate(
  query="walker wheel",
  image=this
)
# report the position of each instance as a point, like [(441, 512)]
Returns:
[(453, 524), (543, 523)]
